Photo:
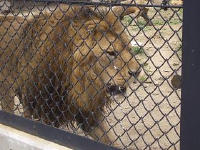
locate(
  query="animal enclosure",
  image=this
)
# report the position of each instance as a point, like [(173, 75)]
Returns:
[(110, 71)]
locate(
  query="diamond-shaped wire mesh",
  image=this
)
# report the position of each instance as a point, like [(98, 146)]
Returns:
[(108, 70)]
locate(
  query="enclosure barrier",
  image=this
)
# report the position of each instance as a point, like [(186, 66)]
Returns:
[(18, 140), (106, 70)]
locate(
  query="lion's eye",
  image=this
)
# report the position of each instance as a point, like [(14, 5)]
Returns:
[(112, 53)]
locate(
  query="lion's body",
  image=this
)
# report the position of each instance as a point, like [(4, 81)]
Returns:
[(58, 66), (36, 66)]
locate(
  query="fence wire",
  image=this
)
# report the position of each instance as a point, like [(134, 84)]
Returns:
[(108, 70)]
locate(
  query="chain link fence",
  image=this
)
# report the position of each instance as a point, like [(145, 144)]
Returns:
[(108, 70)]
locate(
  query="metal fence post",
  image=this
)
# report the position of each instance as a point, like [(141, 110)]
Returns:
[(190, 111)]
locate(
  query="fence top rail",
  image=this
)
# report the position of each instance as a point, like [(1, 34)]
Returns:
[(109, 4)]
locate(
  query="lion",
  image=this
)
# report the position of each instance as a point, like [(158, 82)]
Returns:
[(65, 65)]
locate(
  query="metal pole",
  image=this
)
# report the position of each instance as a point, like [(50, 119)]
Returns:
[(190, 111)]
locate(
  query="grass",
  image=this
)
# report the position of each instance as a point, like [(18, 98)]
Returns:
[(127, 20), (137, 50), (143, 78), (140, 22)]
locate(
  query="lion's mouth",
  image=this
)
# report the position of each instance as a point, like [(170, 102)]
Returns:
[(115, 89)]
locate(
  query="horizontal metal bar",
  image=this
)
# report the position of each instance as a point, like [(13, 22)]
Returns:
[(52, 134), (108, 4)]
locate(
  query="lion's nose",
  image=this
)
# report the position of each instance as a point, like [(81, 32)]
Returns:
[(134, 73)]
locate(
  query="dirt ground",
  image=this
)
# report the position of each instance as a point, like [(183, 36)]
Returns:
[(148, 117)]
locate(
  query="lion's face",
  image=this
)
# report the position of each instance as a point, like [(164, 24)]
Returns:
[(116, 65), (106, 58)]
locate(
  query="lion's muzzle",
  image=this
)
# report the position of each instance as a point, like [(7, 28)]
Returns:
[(113, 89)]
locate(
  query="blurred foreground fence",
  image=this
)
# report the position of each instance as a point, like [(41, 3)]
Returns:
[(107, 70)]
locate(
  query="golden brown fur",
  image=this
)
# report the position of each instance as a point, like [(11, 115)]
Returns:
[(62, 64), (176, 2)]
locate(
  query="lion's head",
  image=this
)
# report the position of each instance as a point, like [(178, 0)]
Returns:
[(103, 62)]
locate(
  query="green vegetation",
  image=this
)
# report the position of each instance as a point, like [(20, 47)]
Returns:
[(137, 50), (143, 78)]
